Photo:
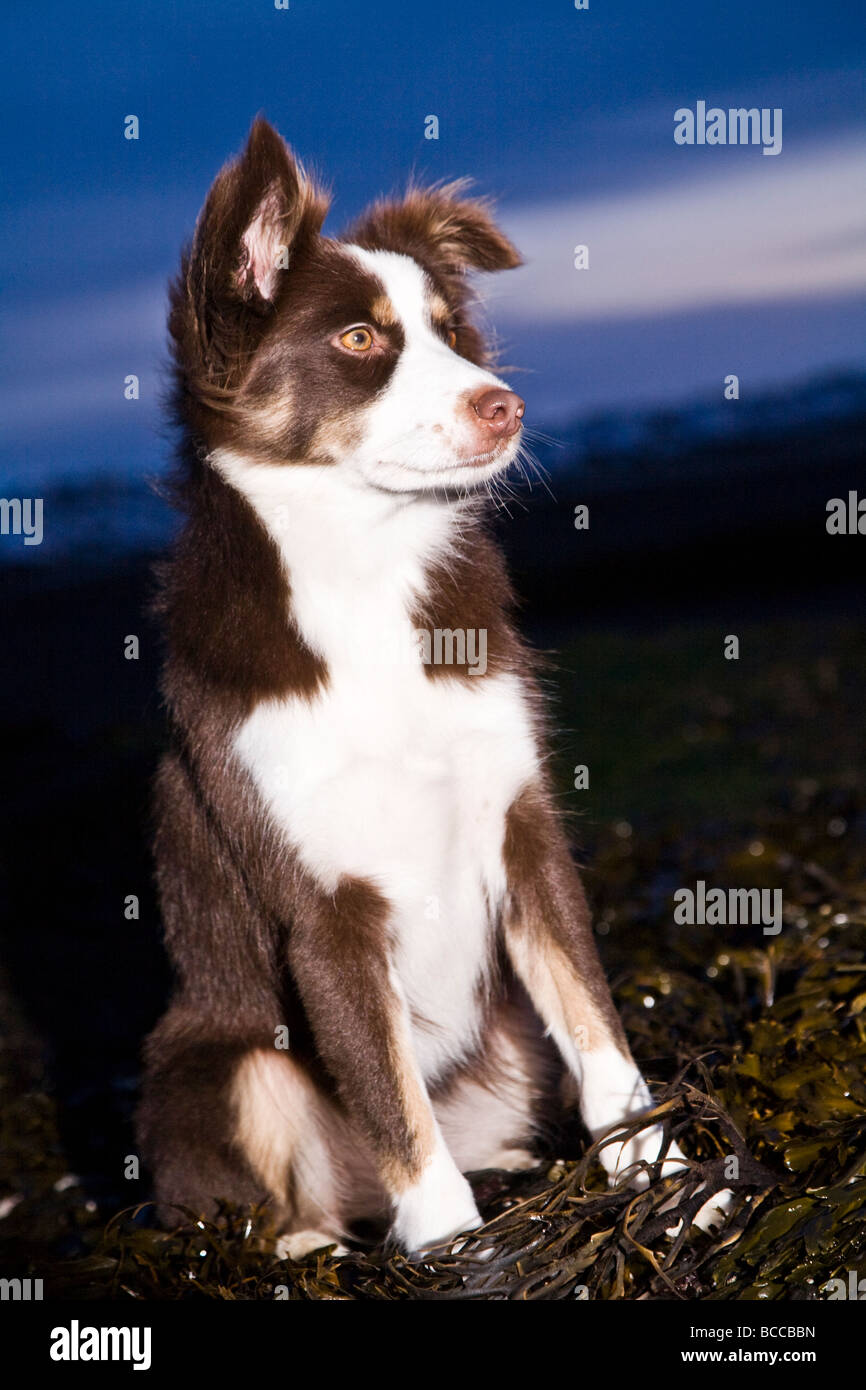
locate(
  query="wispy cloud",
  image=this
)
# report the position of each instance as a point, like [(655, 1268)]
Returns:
[(787, 228), (65, 360)]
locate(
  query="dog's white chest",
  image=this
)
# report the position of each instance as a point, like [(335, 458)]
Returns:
[(397, 778), (405, 782)]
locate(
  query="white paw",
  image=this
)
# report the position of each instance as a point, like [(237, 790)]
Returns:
[(620, 1160), (296, 1245), (435, 1208), (712, 1216)]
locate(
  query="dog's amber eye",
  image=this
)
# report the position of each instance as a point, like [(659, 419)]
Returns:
[(451, 338), (357, 339)]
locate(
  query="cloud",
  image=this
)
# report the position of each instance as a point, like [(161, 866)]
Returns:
[(787, 228), (65, 360)]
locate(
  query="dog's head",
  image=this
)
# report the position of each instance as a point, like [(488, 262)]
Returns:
[(294, 348)]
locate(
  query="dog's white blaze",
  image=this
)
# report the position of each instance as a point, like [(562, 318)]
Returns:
[(387, 774), (420, 424)]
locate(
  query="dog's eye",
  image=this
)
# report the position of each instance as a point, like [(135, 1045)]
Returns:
[(357, 339), (451, 338)]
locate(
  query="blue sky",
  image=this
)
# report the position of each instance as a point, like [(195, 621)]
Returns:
[(703, 261)]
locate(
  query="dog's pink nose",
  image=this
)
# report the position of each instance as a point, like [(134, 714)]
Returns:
[(500, 411)]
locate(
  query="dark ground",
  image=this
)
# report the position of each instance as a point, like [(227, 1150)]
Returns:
[(743, 773)]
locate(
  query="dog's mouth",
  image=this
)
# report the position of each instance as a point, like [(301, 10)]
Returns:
[(497, 457), (449, 471), (479, 460), (461, 478)]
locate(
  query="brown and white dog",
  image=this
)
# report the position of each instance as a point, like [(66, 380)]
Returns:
[(357, 846)]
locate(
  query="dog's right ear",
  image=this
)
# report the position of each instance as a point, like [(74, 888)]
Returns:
[(259, 213)]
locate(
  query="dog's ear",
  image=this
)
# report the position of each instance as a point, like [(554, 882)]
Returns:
[(258, 215), (440, 225)]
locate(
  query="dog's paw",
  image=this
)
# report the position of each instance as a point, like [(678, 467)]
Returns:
[(715, 1211), (712, 1216), (296, 1245), (621, 1160), (437, 1207)]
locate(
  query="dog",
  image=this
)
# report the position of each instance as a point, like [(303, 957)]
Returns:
[(386, 973)]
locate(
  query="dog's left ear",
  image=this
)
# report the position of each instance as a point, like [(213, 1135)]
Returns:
[(437, 224), (274, 206), (259, 214)]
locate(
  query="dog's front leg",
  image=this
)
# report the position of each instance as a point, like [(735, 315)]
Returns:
[(341, 961), (548, 937)]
